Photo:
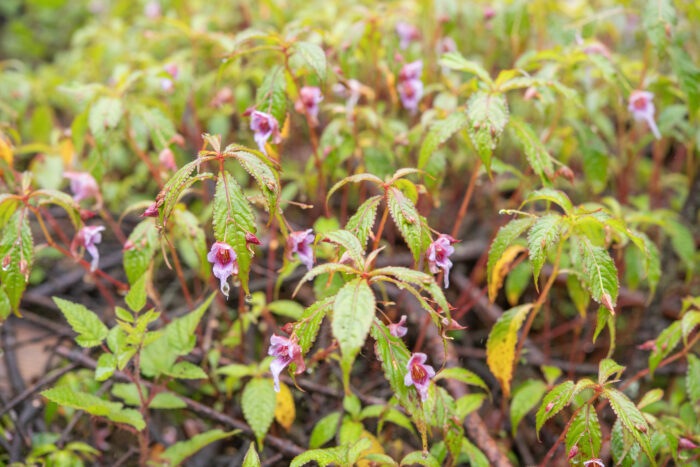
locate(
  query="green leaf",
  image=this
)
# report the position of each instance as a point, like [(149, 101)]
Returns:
[(558, 398), (288, 308), (504, 238), (104, 115), (136, 298), (180, 332), (690, 320), (657, 19), (17, 247), (314, 56), (61, 199), (476, 457), (362, 221), (91, 330), (350, 243), (263, 174), (186, 370), (585, 433), (159, 126), (271, 96), (595, 158), (174, 187), (631, 418), (439, 132), (353, 312), (599, 273), (545, 233), (525, 398), (420, 457), (688, 77), (310, 322), (667, 341), (407, 220), (682, 243), (468, 404), (652, 261), (555, 196), (233, 218), (455, 61), (144, 239), (463, 375), (325, 268), (251, 458), (488, 116), (258, 404), (692, 380), (537, 155), (324, 430), (179, 452), (606, 368), (500, 347), (323, 457), (167, 400), (129, 393), (106, 365), (68, 397)]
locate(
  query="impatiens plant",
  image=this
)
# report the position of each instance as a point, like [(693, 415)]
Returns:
[(330, 233)]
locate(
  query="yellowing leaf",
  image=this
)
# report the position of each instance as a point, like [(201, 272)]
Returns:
[(284, 407), (500, 348), (284, 131), (5, 150), (500, 269), (375, 448), (67, 151)]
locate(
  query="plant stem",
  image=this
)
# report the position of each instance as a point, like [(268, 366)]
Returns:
[(382, 223), (467, 198)]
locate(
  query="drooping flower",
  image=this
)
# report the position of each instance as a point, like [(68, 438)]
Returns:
[(351, 92), (439, 256), (89, 237), (597, 462), (410, 86), (265, 126), (82, 184), (225, 264), (398, 329), (299, 242), (419, 374), (167, 159), (285, 352), (309, 98), (407, 34), (445, 45), (642, 108)]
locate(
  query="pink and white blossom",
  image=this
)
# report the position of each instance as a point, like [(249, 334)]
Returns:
[(642, 109), (438, 255), (597, 462), (299, 242), (309, 98), (167, 159), (83, 185), (351, 91), (410, 86), (398, 329), (90, 237), (419, 374), (225, 264), (264, 126), (407, 34), (285, 352)]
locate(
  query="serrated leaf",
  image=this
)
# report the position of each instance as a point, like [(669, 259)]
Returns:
[(160, 128), (692, 380), (545, 232), (180, 451), (488, 116), (104, 115), (504, 238), (144, 239), (324, 430), (271, 96), (537, 155), (558, 398), (167, 400), (455, 61), (322, 457), (288, 308), (667, 340), (651, 397), (258, 404), (186, 370), (362, 221), (350, 243), (233, 217), (353, 312), (468, 404), (525, 398), (106, 365), (136, 298), (91, 330), (690, 320), (61, 199), (407, 220), (657, 18), (314, 56), (548, 194), (17, 246), (285, 410), (326, 268), (682, 242), (354, 179), (251, 458), (500, 347), (420, 457), (439, 132), (501, 268), (688, 77), (585, 433), (599, 273), (606, 368), (463, 375), (652, 261), (263, 174), (631, 418), (595, 158)]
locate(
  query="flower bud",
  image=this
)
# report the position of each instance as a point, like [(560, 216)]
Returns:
[(685, 443), (6, 262), (251, 238), (573, 452)]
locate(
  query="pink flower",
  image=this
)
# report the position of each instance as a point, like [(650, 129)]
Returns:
[(89, 237), (299, 242), (264, 125), (685, 443), (309, 98), (439, 256), (167, 85), (410, 86), (152, 10), (407, 34), (167, 159), (285, 352), (445, 45), (597, 462), (412, 70), (151, 211), (223, 258), (172, 69), (352, 92), (398, 329), (82, 184), (419, 374), (642, 108)]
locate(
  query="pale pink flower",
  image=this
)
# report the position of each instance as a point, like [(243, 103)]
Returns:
[(225, 264), (398, 329), (597, 462), (309, 98), (265, 126), (642, 108), (89, 237), (438, 255), (407, 34), (412, 70), (410, 86), (351, 92), (445, 45), (152, 10), (299, 242), (285, 352), (167, 159), (419, 374), (83, 185), (167, 85)]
